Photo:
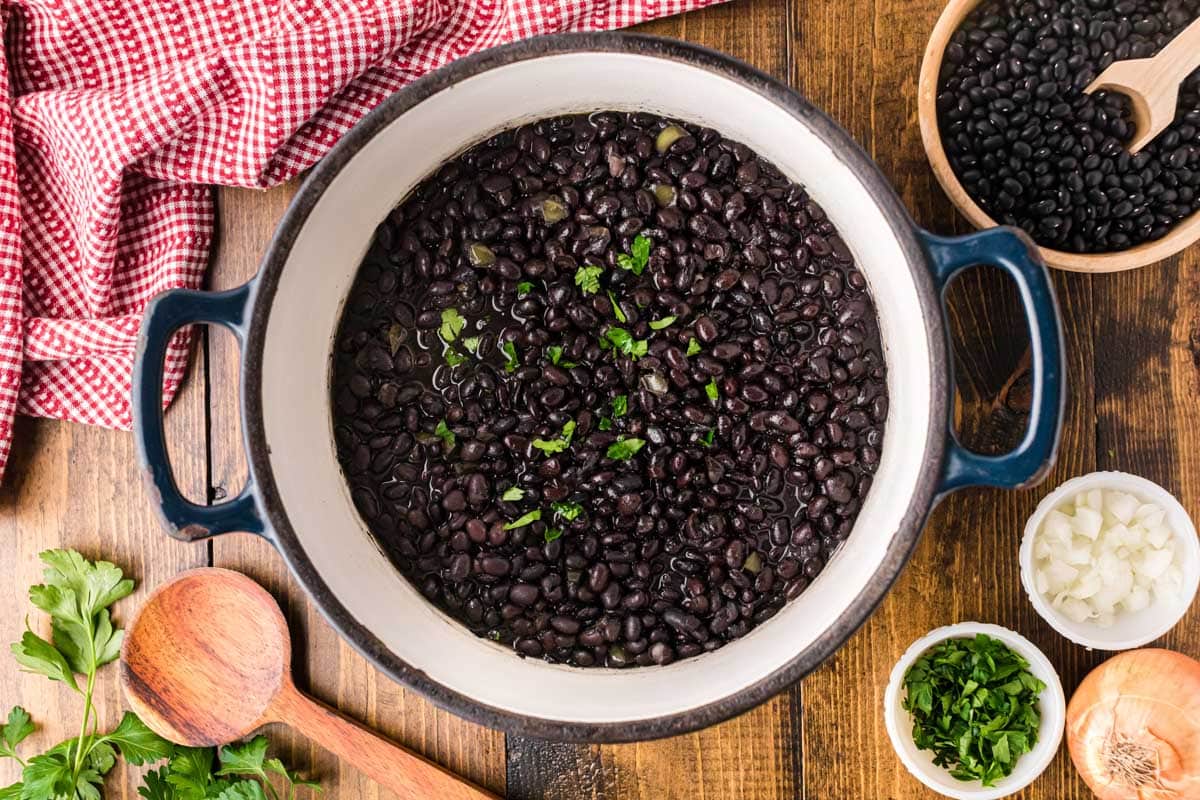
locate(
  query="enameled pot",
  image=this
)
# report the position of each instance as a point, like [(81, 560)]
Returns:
[(286, 318)]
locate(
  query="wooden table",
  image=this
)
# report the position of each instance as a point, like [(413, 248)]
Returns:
[(1134, 366)]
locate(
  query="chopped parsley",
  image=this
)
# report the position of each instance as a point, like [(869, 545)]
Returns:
[(471, 343), (525, 519), (623, 342), (620, 315), (974, 704), (453, 357), (624, 449), (712, 390), (665, 322), (605, 424), (512, 494), (568, 511), (510, 350), (707, 438), (452, 324), (555, 352), (524, 288), (620, 405), (639, 256), (552, 534), (588, 279), (444, 433), (552, 446), (693, 347)]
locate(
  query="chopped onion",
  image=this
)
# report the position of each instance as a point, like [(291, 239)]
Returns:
[(1103, 553)]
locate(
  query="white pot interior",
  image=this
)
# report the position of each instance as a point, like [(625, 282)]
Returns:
[(305, 313)]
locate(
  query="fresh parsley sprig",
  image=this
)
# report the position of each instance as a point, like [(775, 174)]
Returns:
[(622, 341), (587, 278), (552, 446)]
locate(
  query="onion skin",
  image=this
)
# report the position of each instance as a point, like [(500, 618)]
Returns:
[(1149, 700)]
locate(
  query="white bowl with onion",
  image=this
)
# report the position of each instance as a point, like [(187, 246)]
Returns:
[(1110, 560)]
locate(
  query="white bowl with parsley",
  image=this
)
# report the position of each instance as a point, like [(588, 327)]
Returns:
[(1014, 712)]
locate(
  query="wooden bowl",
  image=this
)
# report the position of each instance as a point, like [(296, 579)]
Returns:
[(1184, 234)]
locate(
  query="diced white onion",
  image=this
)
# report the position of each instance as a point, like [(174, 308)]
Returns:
[(1105, 553)]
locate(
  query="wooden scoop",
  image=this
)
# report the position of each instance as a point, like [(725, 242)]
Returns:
[(208, 661), (1152, 84)]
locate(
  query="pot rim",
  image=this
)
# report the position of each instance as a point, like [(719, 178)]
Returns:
[(358, 635)]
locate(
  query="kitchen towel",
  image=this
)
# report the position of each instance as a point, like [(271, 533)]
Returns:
[(119, 115)]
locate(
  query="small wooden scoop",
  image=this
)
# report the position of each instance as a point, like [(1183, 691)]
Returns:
[(1152, 84), (208, 661)]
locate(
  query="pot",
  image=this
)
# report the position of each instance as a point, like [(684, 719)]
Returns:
[(286, 318)]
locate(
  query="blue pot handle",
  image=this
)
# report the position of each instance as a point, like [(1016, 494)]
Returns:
[(166, 314), (1012, 251)]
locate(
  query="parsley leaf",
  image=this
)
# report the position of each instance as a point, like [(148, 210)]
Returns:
[(707, 439), (137, 743), (522, 521), (638, 257), (510, 350), (471, 343), (620, 315), (588, 278), (524, 288), (244, 759), (568, 511), (552, 534), (620, 405), (16, 730), (512, 494), (693, 347), (665, 322), (555, 352), (453, 357), (624, 449), (444, 433), (452, 324), (622, 341), (712, 390), (605, 424), (552, 446), (974, 704)]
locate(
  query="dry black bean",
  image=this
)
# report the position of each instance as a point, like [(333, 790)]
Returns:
[(468, 351), (1036, 151)]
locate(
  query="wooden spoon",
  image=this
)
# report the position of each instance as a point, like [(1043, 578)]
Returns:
[(208, 661), (1152, 84)]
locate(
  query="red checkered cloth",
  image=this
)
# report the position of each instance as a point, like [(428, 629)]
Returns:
[(121, 111)]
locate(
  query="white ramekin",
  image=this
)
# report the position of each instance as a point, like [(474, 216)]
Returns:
[(1052, 705), (1130, 629)]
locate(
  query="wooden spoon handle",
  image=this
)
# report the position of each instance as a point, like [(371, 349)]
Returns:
[(407, 774)]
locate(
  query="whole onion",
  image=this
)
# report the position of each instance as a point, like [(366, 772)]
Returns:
[(1133, 727)]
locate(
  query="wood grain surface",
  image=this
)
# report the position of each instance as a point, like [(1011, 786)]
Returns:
[(1133, 362)]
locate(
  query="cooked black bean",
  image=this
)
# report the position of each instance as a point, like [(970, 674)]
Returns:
[(477, 416), (1036, 151)]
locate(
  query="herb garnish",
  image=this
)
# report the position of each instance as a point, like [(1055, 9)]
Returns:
[(624, 449), (620, 405), (524, 288), (707, 438), (452, 324), (588, 279), (605, 424), (622, 341), (526, 519), (453, 357), (551, 534), (510, 350), (974, 704), (512, 494), (555, 352), (444, 433), (471, 343), (552, 446), (665, 322), (693, 347), (638, 257), (617, 312), (568, 511), (712, 390)]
